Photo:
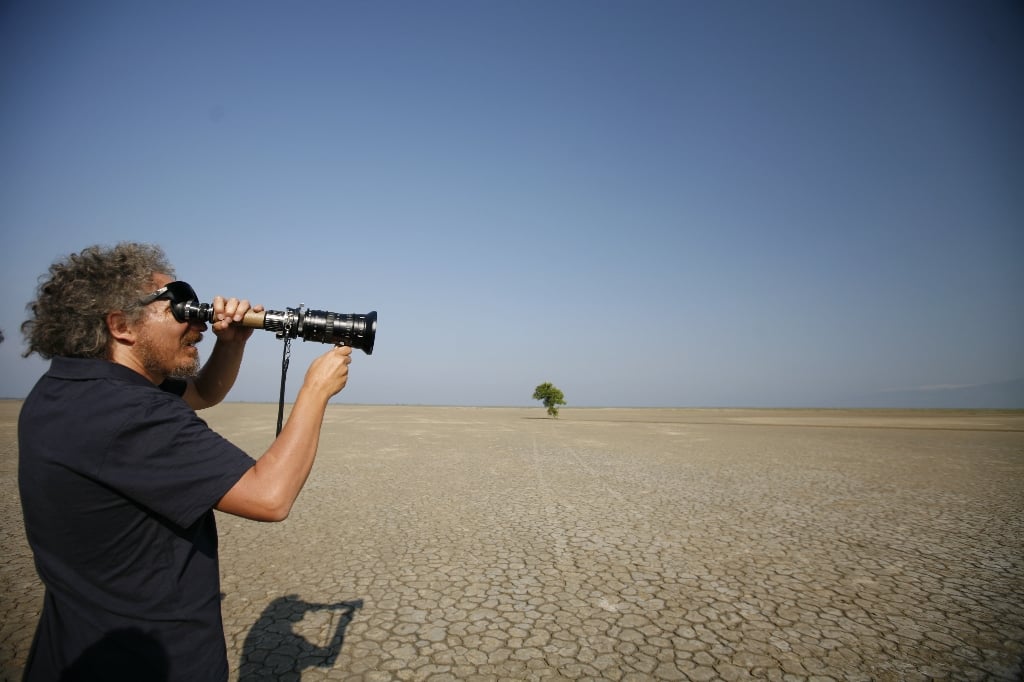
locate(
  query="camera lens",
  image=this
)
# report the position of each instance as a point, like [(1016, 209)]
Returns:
[(358, 331), (353, 330)]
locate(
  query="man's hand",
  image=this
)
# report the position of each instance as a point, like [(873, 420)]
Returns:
[(227, 315), (218, 375), (328, 374)]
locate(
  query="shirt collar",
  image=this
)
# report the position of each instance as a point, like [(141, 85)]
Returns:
[(81, 369)]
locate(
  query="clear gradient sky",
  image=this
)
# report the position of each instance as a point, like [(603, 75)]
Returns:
[(645, 202)]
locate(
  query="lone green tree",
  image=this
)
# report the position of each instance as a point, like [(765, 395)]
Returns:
[(551, 396)]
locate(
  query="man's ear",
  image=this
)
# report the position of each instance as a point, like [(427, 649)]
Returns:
[(120, 330)]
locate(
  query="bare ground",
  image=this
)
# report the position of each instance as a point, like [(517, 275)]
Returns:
[(439, 543)]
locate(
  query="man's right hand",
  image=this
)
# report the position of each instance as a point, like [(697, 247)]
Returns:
[(329, 372)]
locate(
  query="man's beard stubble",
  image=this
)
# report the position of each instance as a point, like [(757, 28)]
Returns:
[(155, 365), (187, 371)]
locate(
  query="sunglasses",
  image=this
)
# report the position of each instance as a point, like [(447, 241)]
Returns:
[(178, 293)]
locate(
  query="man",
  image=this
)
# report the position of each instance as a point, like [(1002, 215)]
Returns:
[(119, 476)]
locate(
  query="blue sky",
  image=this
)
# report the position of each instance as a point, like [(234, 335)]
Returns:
[(647, 203)]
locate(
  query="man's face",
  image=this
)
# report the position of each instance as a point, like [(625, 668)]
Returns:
[(166, 347)]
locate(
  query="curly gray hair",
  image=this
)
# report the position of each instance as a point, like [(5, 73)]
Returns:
[(71, 305)]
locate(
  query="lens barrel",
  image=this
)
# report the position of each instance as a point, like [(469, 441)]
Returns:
[(355, 330), (358, 331)]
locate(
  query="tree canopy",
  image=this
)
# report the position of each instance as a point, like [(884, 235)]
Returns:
[(551, 397)]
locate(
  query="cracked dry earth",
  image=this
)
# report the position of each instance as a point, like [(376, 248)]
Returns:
[(438, 543)]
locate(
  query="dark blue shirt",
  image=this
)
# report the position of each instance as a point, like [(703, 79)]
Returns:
[(118, 480)]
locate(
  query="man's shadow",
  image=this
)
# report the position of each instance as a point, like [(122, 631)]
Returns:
[(273, 650)]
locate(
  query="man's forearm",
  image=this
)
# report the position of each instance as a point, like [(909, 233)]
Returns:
[(268, 490), (217, 376)]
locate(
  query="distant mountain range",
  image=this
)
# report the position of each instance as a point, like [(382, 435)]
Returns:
[(1001, 395)]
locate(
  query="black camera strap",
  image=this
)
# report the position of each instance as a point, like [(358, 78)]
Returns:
[(286, 335), (284, 374)]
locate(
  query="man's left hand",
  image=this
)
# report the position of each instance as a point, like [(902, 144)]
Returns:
[(227, 318)]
